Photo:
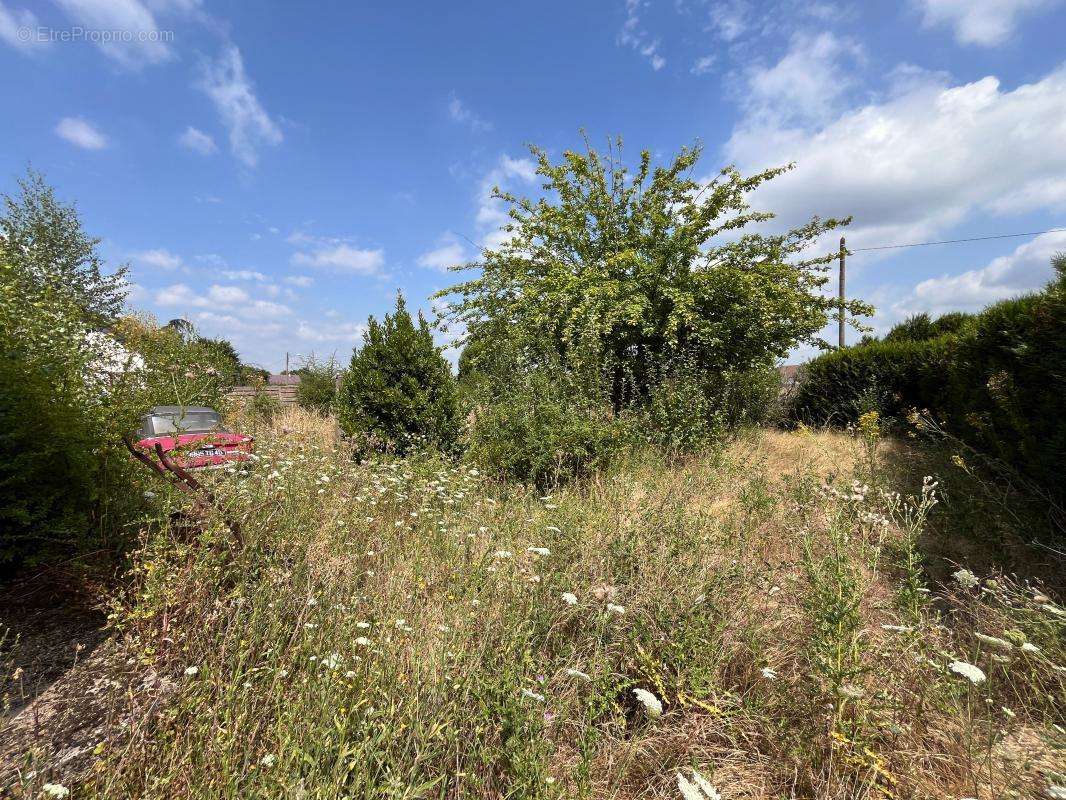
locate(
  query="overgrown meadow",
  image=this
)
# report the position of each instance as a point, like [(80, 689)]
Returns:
[(753, 623)]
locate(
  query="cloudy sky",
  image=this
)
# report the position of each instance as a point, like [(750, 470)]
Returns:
[(275, 172)]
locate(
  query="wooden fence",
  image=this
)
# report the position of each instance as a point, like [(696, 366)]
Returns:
[(286, 395)]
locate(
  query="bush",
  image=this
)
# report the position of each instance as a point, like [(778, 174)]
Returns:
[(264, 405), (544, 431), (399, 390), (922, 328), (917, 328), (689, 409), (318, 385), (998, 382), (889, 377)]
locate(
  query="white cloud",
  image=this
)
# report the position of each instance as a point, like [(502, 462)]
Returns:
[(158, 258), (983, 22), (218, 298), (703, 65), (464, 116), (343, 258), (228, 86), (145, 43), (1026, 269), (245, 275), (226, 295), (730, 20), (197, 141), (917, 163), (82, 133), (449, 253), (1048, 193), (492, 213), (303, 281), (340, 332), (807, 84), (633, 35), (18, 28)]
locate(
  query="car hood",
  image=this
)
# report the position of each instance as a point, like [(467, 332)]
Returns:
[(218, 439)]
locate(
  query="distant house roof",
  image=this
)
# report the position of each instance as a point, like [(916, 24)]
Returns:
[(283, 380)]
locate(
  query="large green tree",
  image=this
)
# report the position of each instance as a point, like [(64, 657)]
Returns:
[(45, 244), (399, 390), (640, 269)]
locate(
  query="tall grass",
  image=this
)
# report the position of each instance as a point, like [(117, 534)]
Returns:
[(407, 629)]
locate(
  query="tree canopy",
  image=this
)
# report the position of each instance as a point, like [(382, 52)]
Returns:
[(639, 268), (43, 240)]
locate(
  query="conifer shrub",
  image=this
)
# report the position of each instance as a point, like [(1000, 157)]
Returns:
[(399, 391)]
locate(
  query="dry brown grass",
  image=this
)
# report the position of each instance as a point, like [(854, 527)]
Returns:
[(726, 565)]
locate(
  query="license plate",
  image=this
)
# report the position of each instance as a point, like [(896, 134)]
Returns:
[(211, 451)]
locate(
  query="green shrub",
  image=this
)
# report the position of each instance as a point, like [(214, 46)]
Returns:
[(318, 385), (264, 405), (399, 391), (917, 328), (998, 381), (887, 377), (690, 409), (544, 430)]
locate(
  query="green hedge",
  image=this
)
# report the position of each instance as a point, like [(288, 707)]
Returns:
[(999, 383)]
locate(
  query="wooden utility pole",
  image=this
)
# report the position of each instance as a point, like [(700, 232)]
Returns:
[(840, 313)]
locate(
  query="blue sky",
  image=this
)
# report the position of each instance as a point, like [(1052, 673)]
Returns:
[(276, 171)]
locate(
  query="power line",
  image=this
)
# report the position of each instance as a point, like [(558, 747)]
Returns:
[(957, 241), (899, 246)]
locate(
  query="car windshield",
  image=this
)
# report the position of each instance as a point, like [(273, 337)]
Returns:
[(190, 422)]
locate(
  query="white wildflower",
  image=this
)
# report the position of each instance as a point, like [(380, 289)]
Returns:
[(362, 641), (992, 641), (569, 598), (973, 674), (614, 609), (539, 551), (533, 695), (192, 671), (705, 786), (769, 674), (268, 760), (652, 706), (332, 661), (965, 578), (55, 790), (576, 673), (362, 625), (699, 788)]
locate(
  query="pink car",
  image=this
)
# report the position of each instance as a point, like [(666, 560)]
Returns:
[(191, 437)]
